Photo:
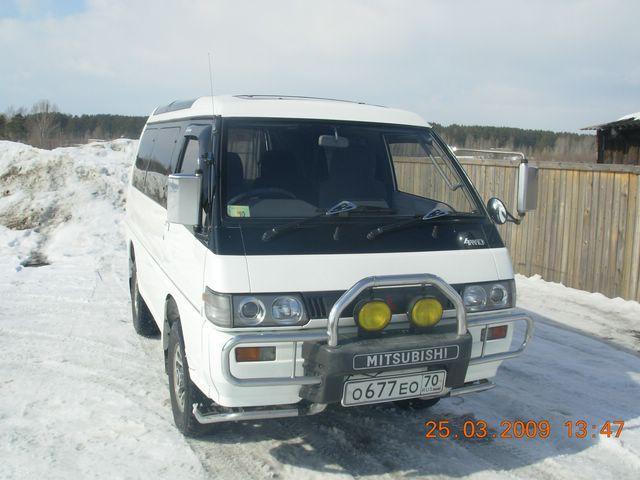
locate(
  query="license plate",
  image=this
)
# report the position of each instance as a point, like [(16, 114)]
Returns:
[(387, 388)]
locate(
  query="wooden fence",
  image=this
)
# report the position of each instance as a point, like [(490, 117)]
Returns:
[(586, 230)]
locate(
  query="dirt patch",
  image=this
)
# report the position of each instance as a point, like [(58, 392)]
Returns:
[(36, 259)]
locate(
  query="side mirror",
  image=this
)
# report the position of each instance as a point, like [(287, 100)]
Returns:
[(183, 198), (497, 210), (499, 213), (527, 188)]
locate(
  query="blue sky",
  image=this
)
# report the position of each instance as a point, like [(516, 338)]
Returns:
[(544, 64), (37, 9)]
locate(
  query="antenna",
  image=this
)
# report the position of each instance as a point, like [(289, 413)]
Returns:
[(211, 82)]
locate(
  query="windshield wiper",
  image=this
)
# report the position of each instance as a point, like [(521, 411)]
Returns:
[(434, 214), (342, 207)]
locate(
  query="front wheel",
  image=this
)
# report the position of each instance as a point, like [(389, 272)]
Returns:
[(183, 393)]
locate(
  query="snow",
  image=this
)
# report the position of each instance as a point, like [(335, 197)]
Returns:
[(612, 319), (631, 116), (81, 396)]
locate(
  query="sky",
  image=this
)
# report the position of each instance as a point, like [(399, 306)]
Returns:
[(546, 65)]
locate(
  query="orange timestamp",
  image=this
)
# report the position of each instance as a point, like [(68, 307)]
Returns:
[(520, 429)]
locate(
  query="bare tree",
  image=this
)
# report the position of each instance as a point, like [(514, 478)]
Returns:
[(42, 122)]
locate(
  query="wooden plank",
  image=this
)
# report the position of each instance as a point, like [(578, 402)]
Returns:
[(635, 250), (621, 196), (590, 192), (628, 290)]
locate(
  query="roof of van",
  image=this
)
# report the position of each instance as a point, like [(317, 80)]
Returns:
[(282, 106)]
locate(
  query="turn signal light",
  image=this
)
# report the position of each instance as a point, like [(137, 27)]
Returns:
[(373, 316), (426, 312), (255, 354), (496, 333)]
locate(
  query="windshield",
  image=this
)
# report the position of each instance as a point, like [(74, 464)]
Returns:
[(297, 169)]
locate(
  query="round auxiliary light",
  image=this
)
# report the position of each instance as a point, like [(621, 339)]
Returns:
[(373, 316), (425, 312)]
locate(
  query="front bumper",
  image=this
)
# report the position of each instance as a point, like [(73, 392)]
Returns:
[(327, 360), (478, 360)]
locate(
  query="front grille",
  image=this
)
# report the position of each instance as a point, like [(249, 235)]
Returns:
[(315, 305)]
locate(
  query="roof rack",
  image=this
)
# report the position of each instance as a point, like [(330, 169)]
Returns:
[(296, 97)]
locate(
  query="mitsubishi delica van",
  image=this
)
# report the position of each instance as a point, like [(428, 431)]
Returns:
[(294, 252)]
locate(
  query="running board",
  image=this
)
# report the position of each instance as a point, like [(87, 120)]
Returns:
[(256, 414), (473, 388)]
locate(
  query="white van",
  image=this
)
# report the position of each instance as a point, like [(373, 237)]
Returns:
[(296, 252)]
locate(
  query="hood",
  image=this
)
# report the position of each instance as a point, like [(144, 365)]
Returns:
[(300, 273)]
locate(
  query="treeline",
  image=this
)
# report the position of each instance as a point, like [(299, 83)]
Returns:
[(44, 126), (540, 145)]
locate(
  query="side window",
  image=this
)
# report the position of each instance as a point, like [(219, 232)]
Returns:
[(142, 160), (190, 158), (160, 164)]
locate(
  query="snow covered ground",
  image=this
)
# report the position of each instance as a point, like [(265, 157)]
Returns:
[(81, 396)]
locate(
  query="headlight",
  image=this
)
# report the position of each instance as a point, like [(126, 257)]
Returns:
[(373, 316), (474, 298), (498, 295), (250, 311), (260, 310), (286, 310), (425, 312), (489, 296)]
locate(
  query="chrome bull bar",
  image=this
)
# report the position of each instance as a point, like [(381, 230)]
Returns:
[(501, 319), (331, 334), (394, 281)]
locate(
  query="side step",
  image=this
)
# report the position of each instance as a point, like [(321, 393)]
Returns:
[(243, 414)]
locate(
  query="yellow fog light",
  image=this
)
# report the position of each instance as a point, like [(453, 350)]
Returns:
[(373, 315), (426, 312)]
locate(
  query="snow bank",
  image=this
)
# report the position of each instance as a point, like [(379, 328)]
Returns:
[(64, 202), (81, 396), (613, 319)]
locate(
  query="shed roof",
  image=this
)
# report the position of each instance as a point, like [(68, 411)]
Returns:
[(626, 121)]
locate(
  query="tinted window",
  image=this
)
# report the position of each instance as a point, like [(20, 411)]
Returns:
[(142, 160), (275, 169), (160, 165), (190, 158)]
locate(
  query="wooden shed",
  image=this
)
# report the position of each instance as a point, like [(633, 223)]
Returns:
[(619, 141)]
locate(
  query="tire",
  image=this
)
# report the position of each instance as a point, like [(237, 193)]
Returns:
[(182, 391), (416, 403), (143, 321)]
